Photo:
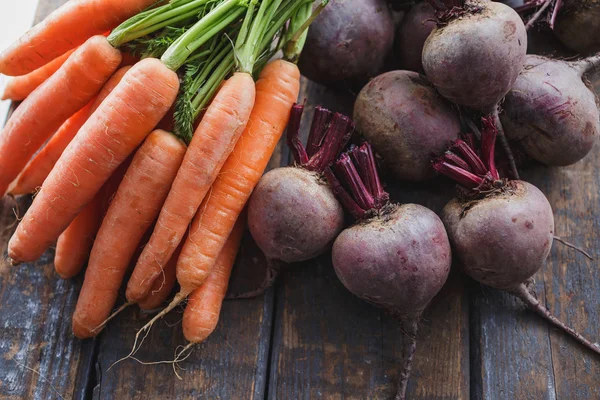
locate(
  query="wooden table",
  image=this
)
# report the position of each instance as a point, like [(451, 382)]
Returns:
[(308, 338)]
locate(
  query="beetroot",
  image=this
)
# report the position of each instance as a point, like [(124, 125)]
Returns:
[(577, 25), (396, 257), (292, 214), (348, 43), (501, 231), (406, 121), (414, 30), (550, 112), (476, 53)]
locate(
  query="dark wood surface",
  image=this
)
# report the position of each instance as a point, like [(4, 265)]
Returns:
[(309, 338)]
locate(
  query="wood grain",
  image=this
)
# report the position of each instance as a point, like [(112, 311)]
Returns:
[(329, 344)]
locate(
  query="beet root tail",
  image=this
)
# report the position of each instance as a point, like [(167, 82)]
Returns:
[(410, 347), (523, 293)]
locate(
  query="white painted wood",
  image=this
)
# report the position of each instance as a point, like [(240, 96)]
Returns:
[(15, 18)]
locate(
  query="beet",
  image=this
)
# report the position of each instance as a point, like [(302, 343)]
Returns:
[(476, 53), (501, 231), (577, 25), (414, 30), (550, 113), (406, 121), (396, 257), (292, 214), (348, 43)]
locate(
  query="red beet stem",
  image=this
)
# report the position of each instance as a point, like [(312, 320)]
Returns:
[(505, 145), (346, 172), (336, 138), (293, 135), (367, 169), (470, 139), (343, 196), (462, 177), (318, 129), (488, 146), (452, 158), (470, 157), (557, 7), (523, 293)]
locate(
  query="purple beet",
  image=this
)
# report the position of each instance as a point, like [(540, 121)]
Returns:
[(348, 43), (414, 30), (577, 25), (476, 53), (501, 231), (396, 257), (292, 214), (406, 121), (550, 112)]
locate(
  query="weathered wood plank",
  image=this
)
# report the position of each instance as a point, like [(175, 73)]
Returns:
[(40, 357), (329, 344)]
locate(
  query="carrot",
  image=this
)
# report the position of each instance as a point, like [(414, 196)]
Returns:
[(162, 288), (204, 304), (38, 168), (111, 134), (44, 111), (276, 92), (18, 88), (64, 29), (74, 244), (133, 209), (211, 144)]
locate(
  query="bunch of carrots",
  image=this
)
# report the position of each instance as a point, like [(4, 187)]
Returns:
[(142, 135)]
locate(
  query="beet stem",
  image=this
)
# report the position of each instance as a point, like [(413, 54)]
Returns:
[(293, 135), (343, 196), (537, 15), (462, 177), (410, 347), (505, 146), (336, 138), (367, 169), (557, 7), (587, 65), (488, 146), (346, 171), (318, 129), (523, 293), (470, 157), (452, 158)]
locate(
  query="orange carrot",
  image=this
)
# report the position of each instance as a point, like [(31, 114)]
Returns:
[(74, 244), (204, 304), (133, 209), (37, 170), (109, 136), (73, 86), (64, 29), (162, 286), (276, 92), (213, 141), (18, 88)]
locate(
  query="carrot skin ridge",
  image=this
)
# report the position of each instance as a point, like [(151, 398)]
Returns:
[(213, 141), (73, 86), (110, 135), (162, 287), (202, 311), (66, 28), (19, 87)]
